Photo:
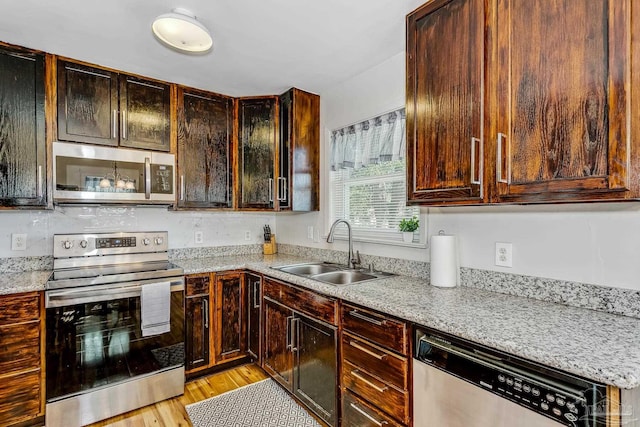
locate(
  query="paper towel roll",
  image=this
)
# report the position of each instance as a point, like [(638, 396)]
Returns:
[(445, 271)]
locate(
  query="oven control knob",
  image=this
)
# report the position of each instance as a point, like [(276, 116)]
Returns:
[(67, 244), (146, 241), (159, 240), (83, 243)]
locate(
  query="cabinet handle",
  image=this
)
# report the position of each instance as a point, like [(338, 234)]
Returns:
[(282, 189), (39, 191), (256, 302), (475, 152), (205, 304), (289, 332), (181, 187), (378, 356), (147, 178), (271, 189), (369, 417), (500, 177), (356, 313), (295, 327), (123, 123), (114, 124), (356, 373)]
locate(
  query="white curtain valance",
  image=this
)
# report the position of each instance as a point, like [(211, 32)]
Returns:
[(377, 140)]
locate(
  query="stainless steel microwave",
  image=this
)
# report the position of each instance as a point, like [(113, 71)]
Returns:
[(85, 173)]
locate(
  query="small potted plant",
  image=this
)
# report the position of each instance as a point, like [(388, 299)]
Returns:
[(408, 226)]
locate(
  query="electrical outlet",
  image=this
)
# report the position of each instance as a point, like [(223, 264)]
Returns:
[(504, 254), (198, 237), (18, 242), (310, 232), (247, 235)]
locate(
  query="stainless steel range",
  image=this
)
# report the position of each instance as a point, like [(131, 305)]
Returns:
[(115, 326)]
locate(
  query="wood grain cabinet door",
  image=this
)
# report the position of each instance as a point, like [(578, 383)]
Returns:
[(256, 157), (444, 108), (22, 129), (198, 334), (298, 185), (231, 317), (205, 152), (278, 358), (87, 104), (144, 114), (562, 110)]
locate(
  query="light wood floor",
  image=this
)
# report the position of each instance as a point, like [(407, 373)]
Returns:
[(171, 413)]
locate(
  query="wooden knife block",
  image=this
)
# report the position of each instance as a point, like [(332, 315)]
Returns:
[(270, 248)]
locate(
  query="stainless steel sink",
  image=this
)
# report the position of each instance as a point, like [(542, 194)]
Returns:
[(334, 274), (343, 277), (309, 269)]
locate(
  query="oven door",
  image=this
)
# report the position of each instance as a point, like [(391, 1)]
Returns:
[(94, 337)]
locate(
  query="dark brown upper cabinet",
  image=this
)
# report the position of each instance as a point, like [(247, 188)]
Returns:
[(279, 152), (23, 165), (444, 102), (99, 106), (205, 149), (257, 122), (525, 102), (298, 183)]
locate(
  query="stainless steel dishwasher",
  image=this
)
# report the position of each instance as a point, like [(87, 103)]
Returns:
[(457, 383)]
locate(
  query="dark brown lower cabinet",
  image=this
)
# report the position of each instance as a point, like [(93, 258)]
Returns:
[(300, 352), (21, 345), (198, 322), (358, 413), (230, 324), (254, 304)]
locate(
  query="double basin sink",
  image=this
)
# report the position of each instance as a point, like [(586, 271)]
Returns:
[(334, 274)]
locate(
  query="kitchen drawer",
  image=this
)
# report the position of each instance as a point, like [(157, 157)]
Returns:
[(19, 397), (356, 413), (387, 366), (19, 347), (380, 394), (19, 308), (376, 327), (307, 302), (197, 285)]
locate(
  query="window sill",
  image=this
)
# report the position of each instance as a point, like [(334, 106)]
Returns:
[(384, 242)]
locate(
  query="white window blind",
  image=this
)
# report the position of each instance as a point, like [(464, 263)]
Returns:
[(367, 178)]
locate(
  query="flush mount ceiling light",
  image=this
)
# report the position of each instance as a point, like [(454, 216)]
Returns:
[(180, 30)]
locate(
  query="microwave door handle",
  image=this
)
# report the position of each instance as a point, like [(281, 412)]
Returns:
[(147, 178)]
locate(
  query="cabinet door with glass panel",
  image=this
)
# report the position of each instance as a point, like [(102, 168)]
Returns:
[(367, 178)]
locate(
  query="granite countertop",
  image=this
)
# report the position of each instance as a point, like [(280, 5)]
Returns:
[(28, 281), (596, 345)]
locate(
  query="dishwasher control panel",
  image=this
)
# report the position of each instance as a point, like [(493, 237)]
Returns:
[(569, 400)]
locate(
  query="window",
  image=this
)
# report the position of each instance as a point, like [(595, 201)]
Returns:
[(368, 176)]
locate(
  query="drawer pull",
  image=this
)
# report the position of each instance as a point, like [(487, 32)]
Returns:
[(356, 313), (378, 356), (369, 417), (356, 373)]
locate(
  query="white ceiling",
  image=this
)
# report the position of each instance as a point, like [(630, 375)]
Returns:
[(259, 46)]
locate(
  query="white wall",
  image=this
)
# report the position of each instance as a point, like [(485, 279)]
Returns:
[(593, 243), (219, 228)]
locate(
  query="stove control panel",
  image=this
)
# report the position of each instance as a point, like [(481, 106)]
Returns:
[(95, 244)]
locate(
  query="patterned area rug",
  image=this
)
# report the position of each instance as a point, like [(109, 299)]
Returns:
[(262, 404)]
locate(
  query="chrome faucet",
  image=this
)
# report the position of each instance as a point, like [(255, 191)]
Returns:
[(353, 260)]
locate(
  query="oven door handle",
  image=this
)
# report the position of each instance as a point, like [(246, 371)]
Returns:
[(67, 297)]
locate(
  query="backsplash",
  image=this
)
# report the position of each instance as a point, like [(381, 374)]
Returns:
[(212, 251)]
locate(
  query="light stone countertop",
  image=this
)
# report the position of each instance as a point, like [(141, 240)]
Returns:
[(28, 281), (596, 345)]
